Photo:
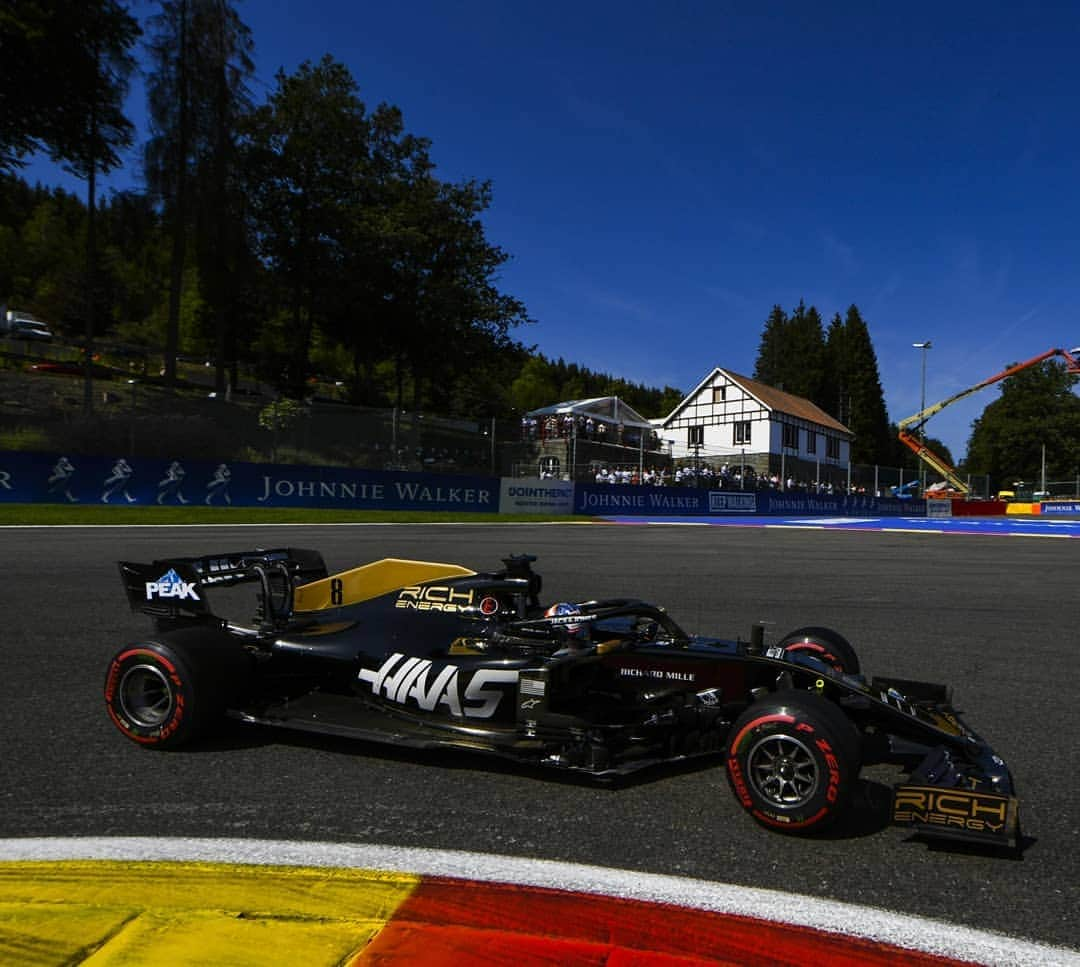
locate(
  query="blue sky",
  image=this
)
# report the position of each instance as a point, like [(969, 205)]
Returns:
[(665, 173)]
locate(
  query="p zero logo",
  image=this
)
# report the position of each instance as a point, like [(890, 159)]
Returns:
[(973, 811), (428, 686), (434, 597)]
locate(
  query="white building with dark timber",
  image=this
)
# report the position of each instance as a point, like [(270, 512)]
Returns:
[(728, 418)]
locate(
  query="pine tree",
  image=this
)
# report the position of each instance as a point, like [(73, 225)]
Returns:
[(806, 356), (769, 368), (791, 356), (858, 376)]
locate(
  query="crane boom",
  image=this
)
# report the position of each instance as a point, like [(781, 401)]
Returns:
[(910, 427)]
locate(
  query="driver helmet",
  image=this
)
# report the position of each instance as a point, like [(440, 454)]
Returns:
[(564, 609)]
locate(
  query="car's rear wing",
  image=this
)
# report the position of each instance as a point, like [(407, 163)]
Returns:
[(176, 587)]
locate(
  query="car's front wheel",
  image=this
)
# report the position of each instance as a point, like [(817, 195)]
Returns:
[(793, 761), (826, 645)]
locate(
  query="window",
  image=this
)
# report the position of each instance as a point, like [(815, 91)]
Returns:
[(719, 394), (832, 447), (695, 436), (791, 437), (811, 441), (741, 435)]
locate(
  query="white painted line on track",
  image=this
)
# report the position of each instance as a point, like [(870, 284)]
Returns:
[(912, 530), (902, 930)]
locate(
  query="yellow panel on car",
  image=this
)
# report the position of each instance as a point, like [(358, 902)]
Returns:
[(370, 581)]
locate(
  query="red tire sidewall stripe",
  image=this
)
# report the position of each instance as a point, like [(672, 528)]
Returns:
[(110, 691), (735, 771), (826, 655), (765, 719)]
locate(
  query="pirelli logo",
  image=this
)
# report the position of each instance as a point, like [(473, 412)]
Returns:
[(957, 809)]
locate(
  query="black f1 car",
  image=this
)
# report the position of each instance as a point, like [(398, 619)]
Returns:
[(425, 654)]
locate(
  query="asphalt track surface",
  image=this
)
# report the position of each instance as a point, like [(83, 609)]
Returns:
[(993, 618)]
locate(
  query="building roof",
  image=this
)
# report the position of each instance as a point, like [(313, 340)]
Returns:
[(608, 408), (772, 398)]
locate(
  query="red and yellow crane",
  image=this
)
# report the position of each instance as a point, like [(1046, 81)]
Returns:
[(909, 428)]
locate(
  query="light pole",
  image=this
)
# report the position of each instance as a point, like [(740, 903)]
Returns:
[(924, 346)]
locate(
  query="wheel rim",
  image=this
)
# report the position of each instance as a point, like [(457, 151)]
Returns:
[(146, 697), (783, 771)]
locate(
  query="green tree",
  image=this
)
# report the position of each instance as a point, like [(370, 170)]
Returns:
[(542, 382), (280, 417), (806, 345), (1037, 408), (63, 72), (301, 170), (771, 365), (374, 310), (535, 386), (135, 261), (446, 275), (791, 355), (64, 66), (168, 151), (226, 266), (853, 391), (51, 254), (201, 56), (369, 249)]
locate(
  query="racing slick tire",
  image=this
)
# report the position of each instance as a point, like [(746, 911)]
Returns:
[(793, 761), (164, 693), (825, 644)]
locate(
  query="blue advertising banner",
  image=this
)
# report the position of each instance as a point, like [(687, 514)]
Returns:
[(1060, 507), (53, 478), (631, 500), (634, 501), (776, 503)]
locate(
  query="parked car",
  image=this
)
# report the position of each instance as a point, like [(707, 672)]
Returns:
[(23, 325), (35, 331), (71, 369)]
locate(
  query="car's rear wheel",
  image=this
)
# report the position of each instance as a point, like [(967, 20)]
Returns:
[(165, 693), (793, 761), (824, 644)]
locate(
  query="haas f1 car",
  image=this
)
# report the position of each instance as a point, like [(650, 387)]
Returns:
[(427, 655)]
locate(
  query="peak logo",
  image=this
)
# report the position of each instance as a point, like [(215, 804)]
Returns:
[(170, 585), (420, 682)]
